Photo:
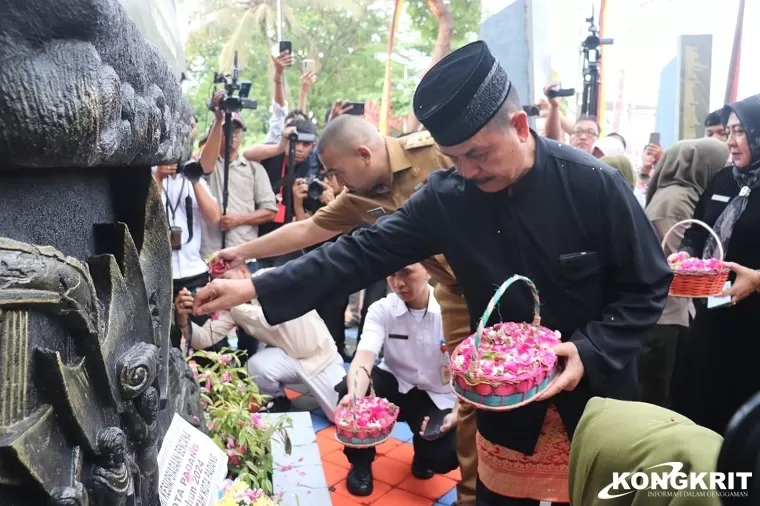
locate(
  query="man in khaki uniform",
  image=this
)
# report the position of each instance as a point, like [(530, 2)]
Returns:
[(380, 174)]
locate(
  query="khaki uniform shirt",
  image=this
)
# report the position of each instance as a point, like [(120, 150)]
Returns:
[(412, 159), (249, 191)]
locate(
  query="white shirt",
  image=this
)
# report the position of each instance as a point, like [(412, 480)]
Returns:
[(187, 261), (412, 342)]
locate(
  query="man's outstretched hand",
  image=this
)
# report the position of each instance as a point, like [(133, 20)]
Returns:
[(223, 294), (229, 258)]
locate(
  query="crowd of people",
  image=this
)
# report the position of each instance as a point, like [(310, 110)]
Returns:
[(441, 217)]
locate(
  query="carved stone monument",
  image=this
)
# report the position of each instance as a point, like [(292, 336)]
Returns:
[(88, 384)]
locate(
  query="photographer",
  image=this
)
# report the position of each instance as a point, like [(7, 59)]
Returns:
[(309, 194), (188, 202), (283, 172)]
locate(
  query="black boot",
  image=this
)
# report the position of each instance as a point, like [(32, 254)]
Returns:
[(420, 471), (359, 481)]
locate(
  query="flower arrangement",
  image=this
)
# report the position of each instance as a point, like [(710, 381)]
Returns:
[(227, 394), (509, 353), (238, 493), (372, 413), (507, 365), (683, 263), (365, 421)]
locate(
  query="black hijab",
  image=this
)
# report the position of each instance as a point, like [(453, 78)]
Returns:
[(748, 178)]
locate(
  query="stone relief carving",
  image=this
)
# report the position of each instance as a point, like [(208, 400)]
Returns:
[(88, 383)]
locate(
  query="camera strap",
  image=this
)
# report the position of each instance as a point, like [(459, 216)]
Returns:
[(172, 210), (189, 214)]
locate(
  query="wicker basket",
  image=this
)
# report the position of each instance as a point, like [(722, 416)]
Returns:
[(362, 437), (697, 284), (483, 393)]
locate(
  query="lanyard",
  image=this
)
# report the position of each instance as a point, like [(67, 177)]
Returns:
[(169, 207), (283, 171)]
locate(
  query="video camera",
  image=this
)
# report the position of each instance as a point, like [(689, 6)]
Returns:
[(593, 41), (591, 75), (556, 92), (232, 103)]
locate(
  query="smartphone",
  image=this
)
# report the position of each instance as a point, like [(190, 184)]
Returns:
[(433, 428), (357, 108), (654, 139), (286, 45), (308, 66)]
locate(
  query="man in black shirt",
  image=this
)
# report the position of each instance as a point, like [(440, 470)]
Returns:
[(515, 204)]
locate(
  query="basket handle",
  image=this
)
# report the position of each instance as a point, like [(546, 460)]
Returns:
[(696, 222), (356, 382), (492, 305)]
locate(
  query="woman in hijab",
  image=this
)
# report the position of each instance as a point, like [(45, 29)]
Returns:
[(722, 346), (628, 437), (680, 178), (624, 166)]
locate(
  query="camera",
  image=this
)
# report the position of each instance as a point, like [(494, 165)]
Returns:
[(315, 176), (232, 103), (297, 136), (556, 92), (192, 171)]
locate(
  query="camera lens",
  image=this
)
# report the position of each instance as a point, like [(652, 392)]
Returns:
[(315, 189), (193, 171)]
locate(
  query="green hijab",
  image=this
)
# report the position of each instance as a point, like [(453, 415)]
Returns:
[(624, 165), (620, 436)]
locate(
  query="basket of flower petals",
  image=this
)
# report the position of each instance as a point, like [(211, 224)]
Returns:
[(505, 366), (695, 277), (365, 421)]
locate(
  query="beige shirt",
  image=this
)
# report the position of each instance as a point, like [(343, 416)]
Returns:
[(412, 159), (249, 191), (305, 338)]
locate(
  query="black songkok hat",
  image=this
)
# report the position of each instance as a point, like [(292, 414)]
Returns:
[(461, 93)]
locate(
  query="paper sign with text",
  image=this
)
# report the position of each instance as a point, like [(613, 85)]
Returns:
[(191, 468)]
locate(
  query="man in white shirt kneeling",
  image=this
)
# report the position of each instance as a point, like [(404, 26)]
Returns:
[(413, 374), (299, 351)]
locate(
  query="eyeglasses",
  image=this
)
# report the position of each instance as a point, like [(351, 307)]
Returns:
[(577, 132)]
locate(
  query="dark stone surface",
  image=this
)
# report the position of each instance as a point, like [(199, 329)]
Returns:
[(81, 87), (88, 385)]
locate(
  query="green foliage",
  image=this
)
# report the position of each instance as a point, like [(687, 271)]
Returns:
[(347, 39), (467, 15), (348, 50), (227, 395)]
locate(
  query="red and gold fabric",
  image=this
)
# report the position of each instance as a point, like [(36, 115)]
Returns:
[(542, 476)]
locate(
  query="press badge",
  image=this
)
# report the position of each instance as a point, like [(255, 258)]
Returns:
[(713, 302)]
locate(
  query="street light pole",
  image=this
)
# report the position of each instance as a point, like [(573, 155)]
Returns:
[(280, 20)]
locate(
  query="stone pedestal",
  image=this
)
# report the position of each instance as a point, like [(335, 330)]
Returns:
[(88, 384)]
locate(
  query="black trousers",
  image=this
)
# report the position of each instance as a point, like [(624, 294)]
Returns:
[(657, 359), (484, 497), (372, 294), (439, 455), (333, 313)]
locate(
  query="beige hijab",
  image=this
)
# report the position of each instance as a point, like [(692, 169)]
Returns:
[(681, 176)]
